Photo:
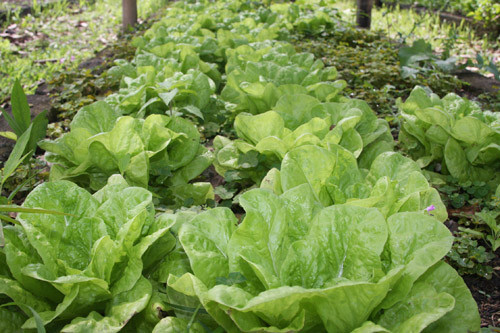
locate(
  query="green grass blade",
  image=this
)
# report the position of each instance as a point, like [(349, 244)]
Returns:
[(16, 157), (20, 108)]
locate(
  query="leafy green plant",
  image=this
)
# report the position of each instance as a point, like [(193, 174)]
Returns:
[(490, 215), (160, 152), (84, 268), (468, 257), (392, 184), (451, 136), (346, 241), (308, 19), (21, 122), (419, 57), (27, 134), (291, 251), (486, 11), (180, 93), (15, 159), (459, 194), (491, 219), (298, 120), (255, 86)]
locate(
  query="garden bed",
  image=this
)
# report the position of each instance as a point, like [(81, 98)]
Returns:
[(213, 113)]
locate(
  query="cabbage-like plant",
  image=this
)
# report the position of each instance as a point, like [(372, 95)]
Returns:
[(293, 266), (257, 78), (452, 136), (149, 92), (393, 183), (84, 270), (156, 151), (299, 120)]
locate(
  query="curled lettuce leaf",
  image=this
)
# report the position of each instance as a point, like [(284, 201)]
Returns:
[(393, 184)]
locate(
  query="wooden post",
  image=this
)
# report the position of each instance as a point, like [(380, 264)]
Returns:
[(129, 10), (364, 13)]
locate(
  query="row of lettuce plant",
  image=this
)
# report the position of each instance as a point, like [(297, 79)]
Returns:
[(335, 239), (177, 70), (297, 120)]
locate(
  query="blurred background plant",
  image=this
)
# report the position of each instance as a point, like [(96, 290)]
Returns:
[(56, 37)]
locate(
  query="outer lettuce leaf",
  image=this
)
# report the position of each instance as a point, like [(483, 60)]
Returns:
[(174, 325), (208, 242), (15, 291), (19, 254), (121, 308), (439, 291), (420, 308), (431, 241), (11, 321), (465, 316)]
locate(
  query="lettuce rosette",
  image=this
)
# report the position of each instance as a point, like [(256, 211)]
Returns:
[(160, 153), (292, 265), (295, 121), (258, 77), (81, 271), (393, 183), (452, 136)]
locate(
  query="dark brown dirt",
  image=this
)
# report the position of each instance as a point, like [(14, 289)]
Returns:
[(487, 294), (479, 83)]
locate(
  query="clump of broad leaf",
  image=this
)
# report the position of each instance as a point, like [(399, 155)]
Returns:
[(82, 271), (452, 136), (307, 17), (179, 93), (293, 266), (298, 120), (393, 183), (168, 54), (419, 58), (160, 153), (257, 78)]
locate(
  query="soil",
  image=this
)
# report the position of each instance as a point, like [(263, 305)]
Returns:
[(487, 294), (478, 83)]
